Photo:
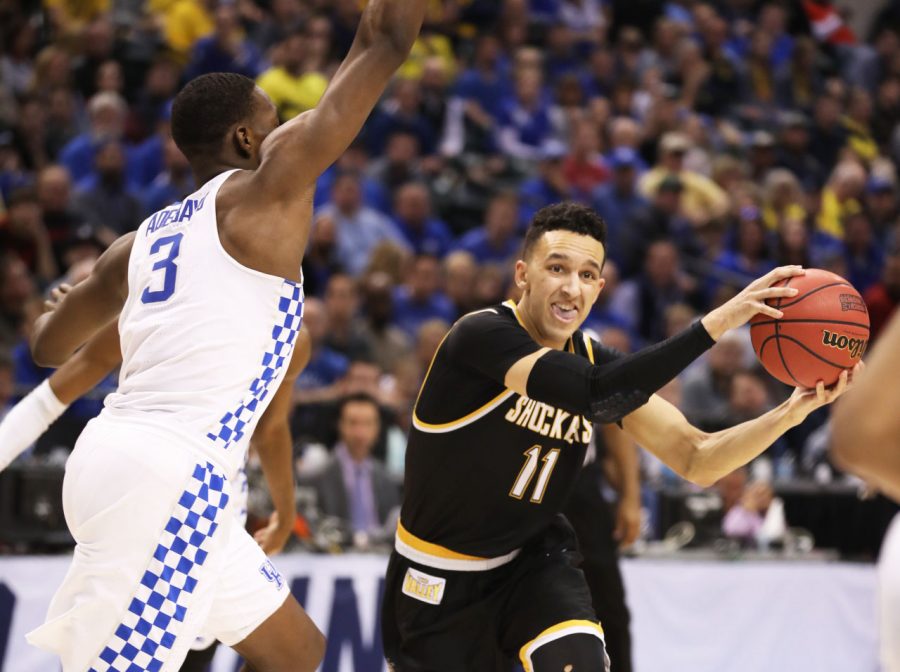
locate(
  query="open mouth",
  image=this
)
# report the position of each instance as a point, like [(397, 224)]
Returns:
[(563, 312)]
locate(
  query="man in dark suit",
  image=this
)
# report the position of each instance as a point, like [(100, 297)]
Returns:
[(354, 486)]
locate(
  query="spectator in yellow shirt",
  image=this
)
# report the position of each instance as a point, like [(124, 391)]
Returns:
[(782, 199), (289, 85), (183, 23), (702, 199), (841, 198)]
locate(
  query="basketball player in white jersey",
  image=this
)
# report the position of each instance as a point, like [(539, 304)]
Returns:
[(209, 300), (866, 441), (99, 357)]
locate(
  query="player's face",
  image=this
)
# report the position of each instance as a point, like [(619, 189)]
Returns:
[(560, 281)]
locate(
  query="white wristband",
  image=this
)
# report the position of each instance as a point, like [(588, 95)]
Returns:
[(27, 420)]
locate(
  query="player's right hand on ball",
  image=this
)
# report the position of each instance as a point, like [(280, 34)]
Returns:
[(750, 301)]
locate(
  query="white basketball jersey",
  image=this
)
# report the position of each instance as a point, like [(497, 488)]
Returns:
[(205, 340), (889, 597)]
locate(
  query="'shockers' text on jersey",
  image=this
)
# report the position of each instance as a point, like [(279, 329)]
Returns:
[(175, 213), (550, 421)]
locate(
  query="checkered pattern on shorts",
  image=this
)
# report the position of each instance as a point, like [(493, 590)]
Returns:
[(143, 640), (232, 427)]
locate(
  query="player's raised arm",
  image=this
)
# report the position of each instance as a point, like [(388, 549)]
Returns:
[(84, 310), (866, 424), (296, 153)]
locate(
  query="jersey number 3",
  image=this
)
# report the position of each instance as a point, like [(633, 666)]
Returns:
[(532, 458), (165, 264)]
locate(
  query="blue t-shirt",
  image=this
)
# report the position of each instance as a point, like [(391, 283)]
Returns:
[(409, 315)]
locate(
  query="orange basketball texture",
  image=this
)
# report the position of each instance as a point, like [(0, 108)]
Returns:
[(824, 330)]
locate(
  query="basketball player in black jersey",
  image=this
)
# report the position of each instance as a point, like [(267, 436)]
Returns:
[(482, 573)]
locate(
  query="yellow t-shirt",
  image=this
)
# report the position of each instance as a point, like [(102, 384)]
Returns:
[(772, 218), (292, 95), (701, 198), (832, 213), (74, 14), (184, 22)]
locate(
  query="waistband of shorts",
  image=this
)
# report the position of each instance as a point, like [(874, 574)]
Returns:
[(174, 434), (435, 556)]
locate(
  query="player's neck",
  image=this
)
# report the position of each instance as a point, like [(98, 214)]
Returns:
[(534, 331)]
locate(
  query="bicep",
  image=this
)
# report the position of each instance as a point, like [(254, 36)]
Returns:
[(662, 429)]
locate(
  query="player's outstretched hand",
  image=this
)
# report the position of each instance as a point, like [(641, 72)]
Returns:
[(273, 536), (804, 401), (57, 294), (750, 301)]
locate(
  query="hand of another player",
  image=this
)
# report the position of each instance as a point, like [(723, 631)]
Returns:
[(57, 294), (628, 521), (273, 536), (750, 301), (804, 401)]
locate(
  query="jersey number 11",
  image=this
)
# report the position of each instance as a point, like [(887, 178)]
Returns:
[(526, 474)]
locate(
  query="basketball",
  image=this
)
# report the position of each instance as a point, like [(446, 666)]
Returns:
[(824, 330)]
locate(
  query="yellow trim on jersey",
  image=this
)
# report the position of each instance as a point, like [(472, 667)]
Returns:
[(509, 303), (589, 345), (428, 548), (555, 632), (466, 419)]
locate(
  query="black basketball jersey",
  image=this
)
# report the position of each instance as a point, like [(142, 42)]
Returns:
[(486, 468)]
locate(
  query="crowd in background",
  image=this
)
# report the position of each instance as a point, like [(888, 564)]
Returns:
[(717, 140)]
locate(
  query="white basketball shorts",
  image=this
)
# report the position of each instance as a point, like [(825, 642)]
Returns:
[(159, 560), (889, 598)]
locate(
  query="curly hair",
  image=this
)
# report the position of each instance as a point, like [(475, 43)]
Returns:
[(565, 216), (206, 108)]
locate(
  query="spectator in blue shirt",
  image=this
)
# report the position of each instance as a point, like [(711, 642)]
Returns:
[(326, 366), (496, 242), (171, 185), (618, 200), (527, 121), (863, 254), (355, 158), (413, 215), (359, 227), (401, 113), (550, 185), (105, 199), (106, 121), (421, 298), (227, 49)]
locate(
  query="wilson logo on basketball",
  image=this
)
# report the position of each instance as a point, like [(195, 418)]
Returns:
[(856, 346), (852, 302)]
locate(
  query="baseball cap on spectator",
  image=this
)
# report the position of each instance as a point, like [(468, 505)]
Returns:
[(553, 150), (762, 140), (623, 157), (674, 143), (671, 183), (878, 184)]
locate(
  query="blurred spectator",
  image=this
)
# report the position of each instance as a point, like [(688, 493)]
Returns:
[(400, 164), (604, 313), (317, 382), (16, 291), (184, 22), (154, 98), (702, 199), (752, 513), (549, 185), (285, 18), (54, 192), (171, 185), (496, 242), (526, 120), (354, 486), (290, 85), (828, 136), (420, 298), (106, 120), (401, 113), (359, 228), (105, 199), (794, 151), (413, 214), (749, 258), (584, 168), (858, 124), (863, 252), (841, 198), (460, 270), (24, 235), (798, 82), (706, 388), (356, 159), (882, 297), (881, 205), (98, 45), (618, 200), (320, 260), (227, 49), (389, 344), (782, 199), (345, 329), (643, 300)]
